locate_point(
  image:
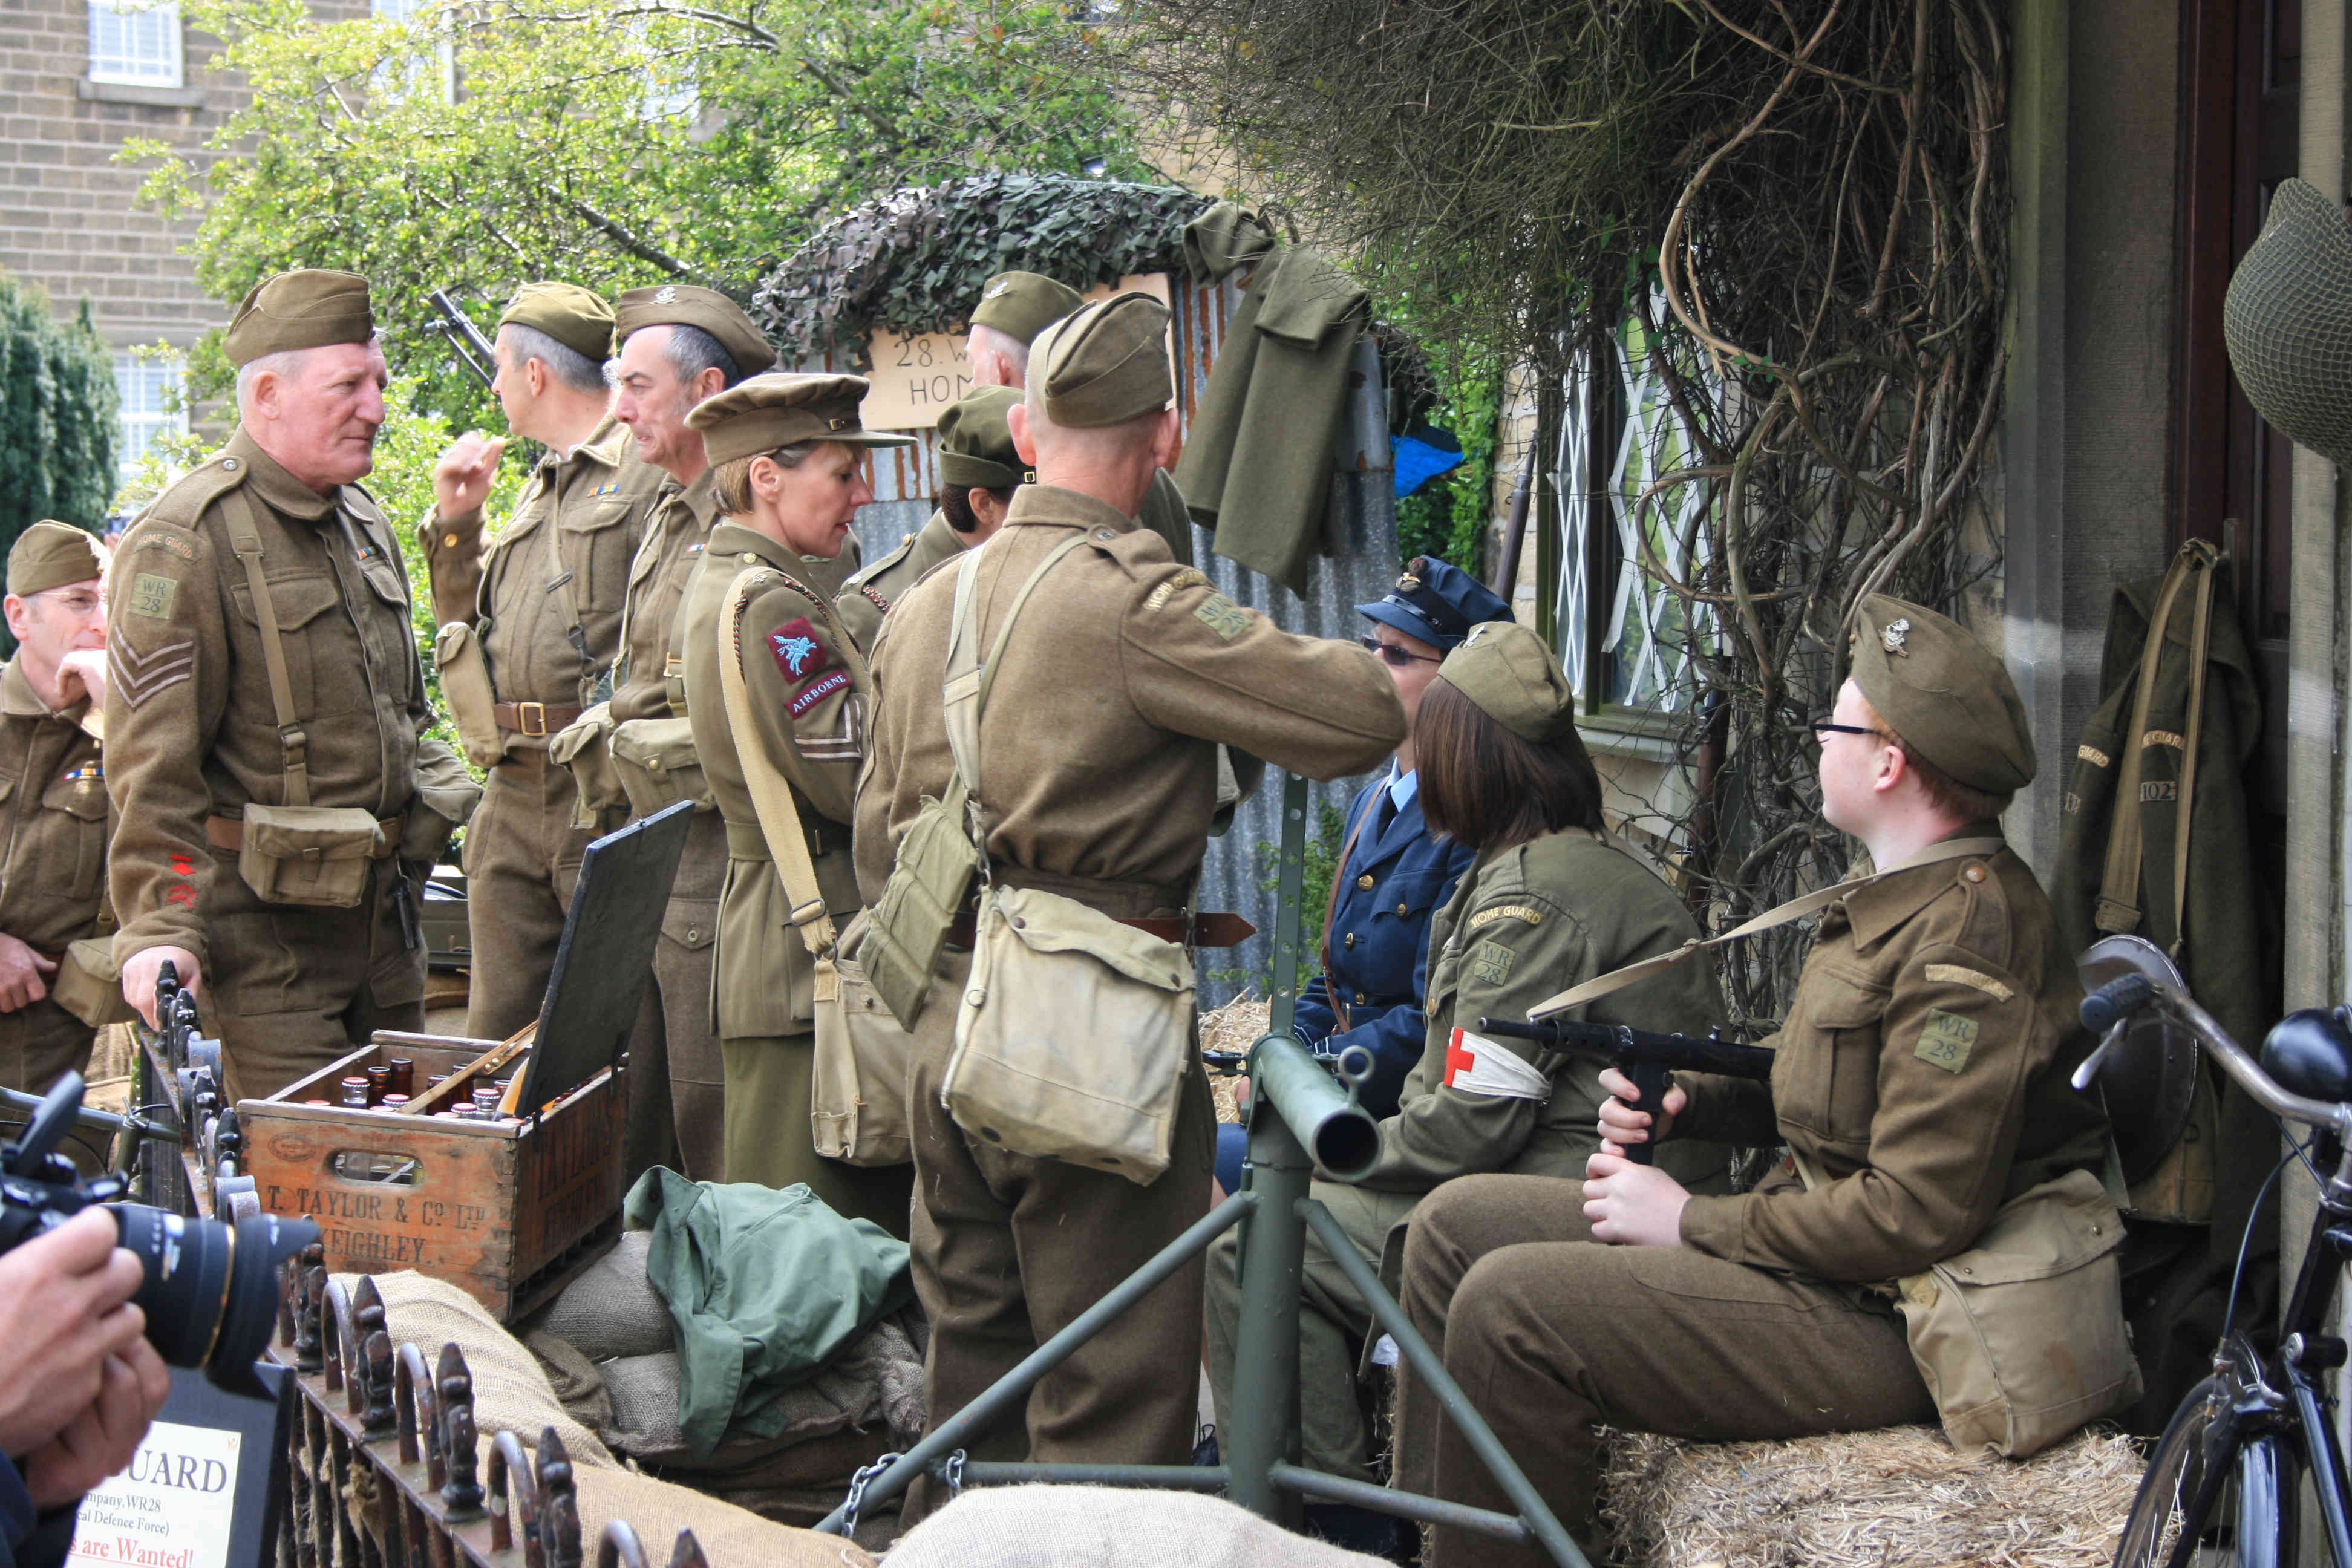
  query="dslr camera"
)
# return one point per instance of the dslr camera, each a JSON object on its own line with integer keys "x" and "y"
{"x": 210, "y": 1292}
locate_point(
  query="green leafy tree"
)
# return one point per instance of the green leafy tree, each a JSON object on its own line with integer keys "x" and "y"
{"x": 58, "y": 413}
{"x": 612, "y": 142}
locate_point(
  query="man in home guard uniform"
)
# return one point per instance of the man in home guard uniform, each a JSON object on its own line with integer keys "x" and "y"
{"x": 53, "y": 781}
{"x": 1013, "y": 308}
{"x": 1921, "y": 1082}
{"x": 261, "y": 657}
{"x": 979, "y": 471}
{"x": 1099, "y": 747}
{"x": 677, "y": 346}
{"x": 543, "y": 601}
{"x": 789, "y": 458}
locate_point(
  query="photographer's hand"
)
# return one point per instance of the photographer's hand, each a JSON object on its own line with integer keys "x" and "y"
{"x": 102, "y": 1440}
{"x": 65, "y": 1309}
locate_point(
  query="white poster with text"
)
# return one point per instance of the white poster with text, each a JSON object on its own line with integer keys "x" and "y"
{"x": 172, "y": 1508}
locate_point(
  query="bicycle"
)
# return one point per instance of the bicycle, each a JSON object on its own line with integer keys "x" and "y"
{"x": 2222, "y": 1482}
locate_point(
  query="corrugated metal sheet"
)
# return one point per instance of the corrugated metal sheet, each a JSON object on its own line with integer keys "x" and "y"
{"x": 1364, "y": 501}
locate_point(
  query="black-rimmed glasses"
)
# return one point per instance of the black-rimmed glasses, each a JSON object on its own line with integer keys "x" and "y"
{"x": 1391, "y": 654}
{"x": 1821, "y": 727}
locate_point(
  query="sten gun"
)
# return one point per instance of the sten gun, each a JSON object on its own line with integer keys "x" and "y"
{"x": 474, "y": 351}
{"x": 1650, "y": 1060}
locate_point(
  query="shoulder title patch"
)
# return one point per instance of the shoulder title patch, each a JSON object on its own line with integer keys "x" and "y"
{"x": 818, "y": 691}
{"x": 1491, "y": 962}
{"x": 175, "y": 545}
{"x": 798, "y": 652}
{"x": 1185, "y": 577}
{"x": 1961, "y": 975}
{"x": 151, "y": 595}
{"x": 1501, "y": 911}
{"x": 1223, "y": 616}
{"x": 1946, "y": 1040}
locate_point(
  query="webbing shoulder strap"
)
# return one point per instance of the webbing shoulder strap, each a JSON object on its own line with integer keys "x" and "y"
{"x": 2200, "y": 638}
{"x": 966, "y": 688}
{"x": 772, "y": 793}
{"x": 2118, "y": 909}
{"x": 1779, "y": 915}
{"x": 244, "y": 539}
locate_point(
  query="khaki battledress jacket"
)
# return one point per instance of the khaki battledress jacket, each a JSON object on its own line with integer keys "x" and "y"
{"x": 870, "y": 592}
{"x": 53, "y": 870}
{"x": 544, "y": 593}
{"x": 649, "y": 678}
{"x": 1923, "y": 1066}
{"x": 192, "y": 737}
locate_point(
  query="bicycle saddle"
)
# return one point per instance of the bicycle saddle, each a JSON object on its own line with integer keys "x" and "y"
{"x": 2150, "y": 1078}
{"x": 2310, "y": 1053}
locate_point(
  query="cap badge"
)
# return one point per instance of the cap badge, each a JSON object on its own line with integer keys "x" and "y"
{"x": 1408, "y": 583}
{"x": 664, "y": 295}
{"x": 1000, "y": 288}
{"x": 1892, "y": 634}
{"x": 839, "y": 425}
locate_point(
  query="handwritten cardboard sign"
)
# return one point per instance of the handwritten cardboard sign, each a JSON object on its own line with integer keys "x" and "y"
{"x": 916, "y": 378}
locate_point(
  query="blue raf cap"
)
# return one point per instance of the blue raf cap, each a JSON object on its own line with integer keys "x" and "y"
{"x": 1438, "y": 602}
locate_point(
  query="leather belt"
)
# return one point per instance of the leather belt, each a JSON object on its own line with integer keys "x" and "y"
{"x": 535, "y": 719}
{"x": 1217, "y": 927}
{"x": 229, "y": 832}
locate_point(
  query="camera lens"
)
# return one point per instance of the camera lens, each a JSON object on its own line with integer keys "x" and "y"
{"x": 210, "y": 1292}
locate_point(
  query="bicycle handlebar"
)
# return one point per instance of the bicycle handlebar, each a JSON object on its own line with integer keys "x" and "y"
{"x": 2108, "y": 1009}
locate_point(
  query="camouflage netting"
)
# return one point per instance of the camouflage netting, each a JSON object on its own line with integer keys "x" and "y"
{"x": 913, "y": 261}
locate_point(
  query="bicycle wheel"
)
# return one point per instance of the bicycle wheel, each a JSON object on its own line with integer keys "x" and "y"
{"x": 2166, "y": 1492}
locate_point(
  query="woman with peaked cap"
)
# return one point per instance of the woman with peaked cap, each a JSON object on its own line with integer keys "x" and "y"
{"x": 788, "y": 464}
{"x": 1548, "y": 899}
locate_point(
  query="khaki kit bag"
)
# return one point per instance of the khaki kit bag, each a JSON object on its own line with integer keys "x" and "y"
{"x": 1074, "y": 1033}
{"x": 857, "y": 1092}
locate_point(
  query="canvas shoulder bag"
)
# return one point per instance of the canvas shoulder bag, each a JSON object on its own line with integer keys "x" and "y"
{"x": 1075, "y": 1029}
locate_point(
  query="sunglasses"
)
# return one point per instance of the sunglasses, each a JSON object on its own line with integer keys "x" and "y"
{"x": 1394, "y": 656}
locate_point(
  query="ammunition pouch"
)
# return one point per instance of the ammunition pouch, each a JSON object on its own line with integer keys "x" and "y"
{"x": 935, "y": 865}
{"x": 584, "y": 746}
{"x": 465, "y": 687}
{"x": 1073, "y": 1036}
{"x": 315, "y": 856}
{"x": 89, "y": 983}
{"x": 657, "y": 764}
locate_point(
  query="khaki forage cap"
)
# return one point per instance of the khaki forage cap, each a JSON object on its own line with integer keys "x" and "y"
{"x": 976, "y": 441}
{"x": 52, "y": 555}
{"x": 304, "y": 309}
{"x": 577, "y": 318}
{"x": 1105, "y": 364}
{"x": 1944, "y": 693}
{"x": 684, "y": 305}
{"x": 1510, "y": 674}
{"x": 780, "y": 409}
{"x": 1022, "y": 304}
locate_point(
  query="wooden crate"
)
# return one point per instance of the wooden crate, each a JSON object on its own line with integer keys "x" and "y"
{"x": 510, "y": 1213}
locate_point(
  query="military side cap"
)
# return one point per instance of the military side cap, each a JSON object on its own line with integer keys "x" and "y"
{"x": 1438, "y": 602}
{"x": 303, "y": 309}
{"x": 577, "y": 318}
{"x": 976, "y": 443}
{"x": 1022, "y": 304}
{"x": 1105, "y": 364}
{"x": 1944, "y": 693}
{"x": 684, "y": 305}
{"x": 52, "y": 555}
{"x": 782, "y": 409}
{"x": 1510, "y": 674}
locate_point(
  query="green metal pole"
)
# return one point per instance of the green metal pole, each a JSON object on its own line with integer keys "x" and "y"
{"x": 1264, "y": 1419}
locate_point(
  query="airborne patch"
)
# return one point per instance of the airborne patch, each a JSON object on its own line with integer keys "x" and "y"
{"x": 1946, "y": 1040}
{"x": 798, "y": 652}
{"x": 1500, "y": 911}
{"x": 1223, "y": 616}
{"x": 151, "y": 595}
{"x": 1186, "y": 577}
{"x": 1491, "y": 962}
{"x": 818, "y": 691}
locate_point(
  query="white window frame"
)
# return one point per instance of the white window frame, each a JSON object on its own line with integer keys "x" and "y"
{"x": 153, "y": 404}
{"x": 136, "y": 45}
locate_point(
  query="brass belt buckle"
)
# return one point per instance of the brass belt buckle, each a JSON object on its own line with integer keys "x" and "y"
{"x": 531, "y": 719}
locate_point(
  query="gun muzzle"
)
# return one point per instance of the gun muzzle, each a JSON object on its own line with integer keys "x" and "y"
{"x": 1342, "y": 1137}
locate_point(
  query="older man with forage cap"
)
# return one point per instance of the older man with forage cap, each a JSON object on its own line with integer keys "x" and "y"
{"x": 56, "y": 977}
{"x": 676, "y": 345}
{"x": 276, "y": 800}
{"x": 1013, "y": 308}
{"x": 1921, "y": 1083}
{"x": 979, "y": 473}
{"x": 1100, "y": 743}
{"x": 789, "y": 458}
{"x": 531, "y": 621}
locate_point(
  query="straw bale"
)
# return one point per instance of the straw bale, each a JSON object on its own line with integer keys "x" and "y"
{"x": 1896, "y": 1499}
{"x": 1234, "y": 1026}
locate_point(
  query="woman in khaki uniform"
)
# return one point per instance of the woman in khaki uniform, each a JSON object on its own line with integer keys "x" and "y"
{"x": 1550, "y": 900}
{"x": 787, "y": 458}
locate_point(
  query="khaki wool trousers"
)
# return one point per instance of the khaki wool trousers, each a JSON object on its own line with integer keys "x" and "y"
{"x": 1552, "y": 1334}
{"x": 769, "y": 1139}
{"x": 1009, "y": 1249}
{"x": 677, "y": 1090}
{"x": 523, "y": 861}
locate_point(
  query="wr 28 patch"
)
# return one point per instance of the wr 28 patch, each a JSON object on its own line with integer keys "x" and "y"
{"x": 1491, "y": 962}
{"x": 151, "y": 593}
{"x": 1223, "y": 616}
{"x": 798, "y": 652}
{"x": 1946, "y": 1040}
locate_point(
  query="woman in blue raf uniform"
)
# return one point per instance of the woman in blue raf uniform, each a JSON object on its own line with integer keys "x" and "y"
{"x": 1393, "y": 874}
